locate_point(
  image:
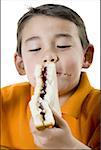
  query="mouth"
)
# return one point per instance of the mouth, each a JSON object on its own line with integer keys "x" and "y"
{"x": 63, "y": 74}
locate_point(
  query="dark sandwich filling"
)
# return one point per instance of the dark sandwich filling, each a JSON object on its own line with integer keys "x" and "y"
{"x": 43, "y": 91}
{"x": 44, "y": 78}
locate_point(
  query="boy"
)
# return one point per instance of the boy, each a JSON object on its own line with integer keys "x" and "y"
{"x": 52, "y": 33}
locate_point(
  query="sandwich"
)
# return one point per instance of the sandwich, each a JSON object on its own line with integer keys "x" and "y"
{"x": 45, "y": 96}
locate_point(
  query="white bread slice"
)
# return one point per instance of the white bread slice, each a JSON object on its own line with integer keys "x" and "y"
{"x": 52, "y": 88}
{"x": 50, "y": 98}
{"x": 37, "y": 118}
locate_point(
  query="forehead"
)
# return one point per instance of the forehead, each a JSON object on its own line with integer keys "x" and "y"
{"x": 48, "y": 26}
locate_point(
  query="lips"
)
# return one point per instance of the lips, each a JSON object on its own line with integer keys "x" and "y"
{"x": 63, "y": 74}
{"x": 58, "y": 73}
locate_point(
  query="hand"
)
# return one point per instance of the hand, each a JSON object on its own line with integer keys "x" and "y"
{"x": 58, "y": 137}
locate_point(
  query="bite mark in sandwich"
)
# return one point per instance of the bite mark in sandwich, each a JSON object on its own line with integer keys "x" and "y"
{"x": 45, "y": 95}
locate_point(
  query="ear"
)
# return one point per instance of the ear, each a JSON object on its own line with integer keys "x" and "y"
{"x": 19, "y": 64}
{"x": 88, "y": 56}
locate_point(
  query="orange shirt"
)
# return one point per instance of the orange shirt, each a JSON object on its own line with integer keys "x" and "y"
{"x": 81, "y": 111}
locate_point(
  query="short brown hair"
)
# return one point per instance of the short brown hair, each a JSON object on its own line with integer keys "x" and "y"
{"x": 54, "y": 10}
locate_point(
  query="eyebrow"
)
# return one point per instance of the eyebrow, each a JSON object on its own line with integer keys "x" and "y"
{"x": 32, "y": 38}
{"x": 57, "y": 36}
{"x": 63, "y": 35}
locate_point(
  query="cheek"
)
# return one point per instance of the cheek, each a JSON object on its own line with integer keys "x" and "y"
{"x": 29, "y": 69}
{"x": 30, "y": 73}
{"x": 73, "y": 63}
{"x": 73, "y": 66}
{"x": 30, "y": 60}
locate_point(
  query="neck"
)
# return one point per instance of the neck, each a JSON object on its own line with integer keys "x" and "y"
{"x": 63, "y": 98}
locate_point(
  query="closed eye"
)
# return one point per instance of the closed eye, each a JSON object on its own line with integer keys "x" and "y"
{"x": 63, "y": 46}
{"x": 37, "y": 49}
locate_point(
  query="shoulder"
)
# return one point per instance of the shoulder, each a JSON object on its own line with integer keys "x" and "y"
{"x": 15, "y": 91}
{"x": 93, "y": 97}
{"x": 91, "y": 107}
{"x": 14, "y": 87}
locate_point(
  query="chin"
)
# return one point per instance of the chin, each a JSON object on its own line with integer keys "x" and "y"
{"x": 63, "y": 91}
{"x": 66, "y": 90}
{"x": 63, "y": 86}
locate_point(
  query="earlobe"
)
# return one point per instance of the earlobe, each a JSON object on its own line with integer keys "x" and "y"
{"x": 88, "y": 56}
{"x": 19, "y": 64}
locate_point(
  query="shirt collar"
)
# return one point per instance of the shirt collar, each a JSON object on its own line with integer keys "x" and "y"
{"x": 73, "y": 105}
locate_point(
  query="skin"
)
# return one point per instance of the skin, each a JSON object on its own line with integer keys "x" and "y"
{"x": 45, "y": 39}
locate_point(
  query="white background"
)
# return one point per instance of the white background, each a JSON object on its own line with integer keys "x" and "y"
{"x": 12, "y": 10}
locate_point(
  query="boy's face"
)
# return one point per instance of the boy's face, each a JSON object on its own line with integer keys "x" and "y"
{"x": 45, "y": 38}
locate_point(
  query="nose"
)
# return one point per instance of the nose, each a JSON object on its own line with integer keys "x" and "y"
{"x": 50, "y": 57}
